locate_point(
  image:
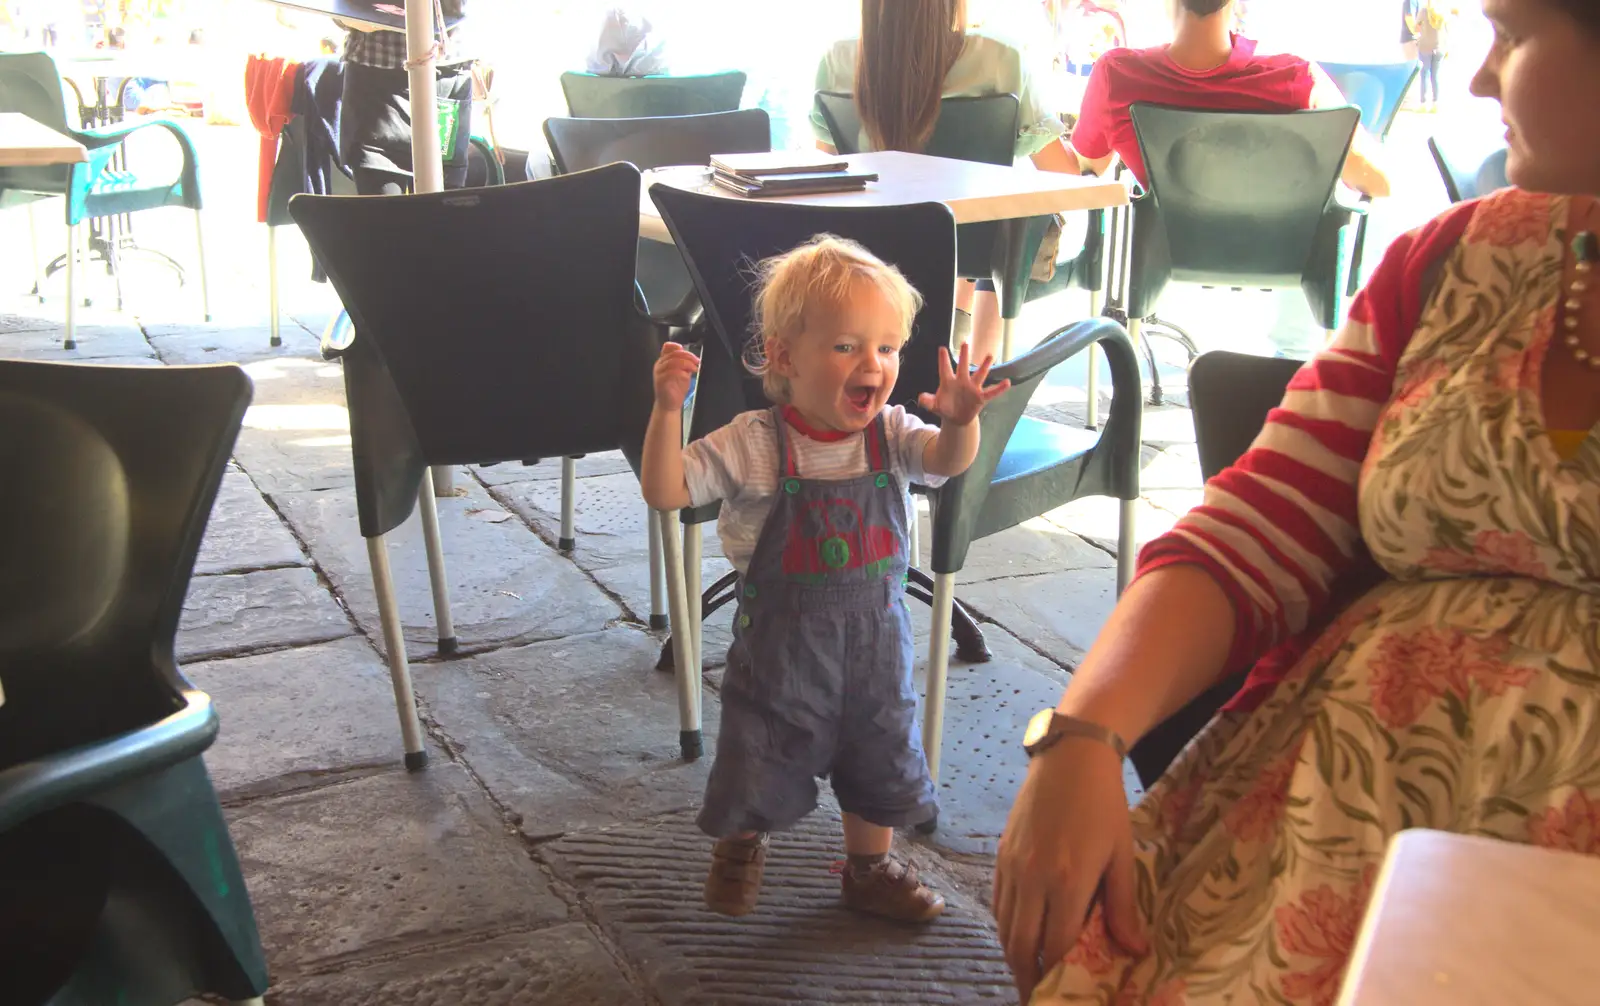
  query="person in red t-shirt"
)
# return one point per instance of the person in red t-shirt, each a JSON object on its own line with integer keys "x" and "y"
{"x": 1206, "y": 66}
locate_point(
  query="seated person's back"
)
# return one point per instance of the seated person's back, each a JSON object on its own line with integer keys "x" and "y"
{"x": 1245, "y": 83}
{"x": 1206, "y": 66}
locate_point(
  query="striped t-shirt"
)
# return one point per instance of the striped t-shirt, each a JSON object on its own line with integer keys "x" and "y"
{"x": 738, "y": 464}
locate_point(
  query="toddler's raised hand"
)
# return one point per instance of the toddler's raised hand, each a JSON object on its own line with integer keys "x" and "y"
{"x": 961, "y": 395}
{"x": 674, "y": 369}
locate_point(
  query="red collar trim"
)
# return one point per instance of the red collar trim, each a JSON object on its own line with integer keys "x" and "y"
{"x": 793, "y": 417}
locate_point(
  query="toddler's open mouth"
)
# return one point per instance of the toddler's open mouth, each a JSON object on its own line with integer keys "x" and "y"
{"x": 860, "y": 397}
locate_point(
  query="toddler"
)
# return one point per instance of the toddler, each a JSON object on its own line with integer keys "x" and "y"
{"x": 815, "y": 511}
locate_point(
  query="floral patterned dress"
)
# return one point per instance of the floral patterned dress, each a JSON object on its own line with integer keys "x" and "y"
{"x": 1462, "y": 693}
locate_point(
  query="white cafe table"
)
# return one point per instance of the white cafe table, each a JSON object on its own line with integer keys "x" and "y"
{"x": 975, "y": 192}
{"x": 1468, "y": 921}
{"x": 28, "y": 143}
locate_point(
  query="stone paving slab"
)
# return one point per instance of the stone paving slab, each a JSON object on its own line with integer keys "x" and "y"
{"x": 296, "y": 718}
{"x": 571, "y": 734}
{"x": 244, "y": 533}
{"x": 1175, "y": 467}
{"x": 589, "y": 466}
{"x": 384, "y": 864}
{"x": 561, "y": 966}
{"x": 800, "y": 945}
{"x": 230, "y": 614}
{"x": 1097, "y": 520}
{"x": 296, "y": 434}
{"x": 506, "y": 586}
{"x": 234, "y": 342}
{"x": 94, "y": 341}
{"x": 1033, "y": 547}
{"x": 1060, "y": 614}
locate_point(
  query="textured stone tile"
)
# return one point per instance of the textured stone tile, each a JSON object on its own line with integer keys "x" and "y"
{"x": 1097, "y": 519}
{"x": 1060, "y": 613}
{"x": 589, "y": 466}
{"x": 41, "y": 340}
{"x": 561, "y": 966}
{"x": 384, "y": 864}
{"x": 291, "y": 717}
{"x": 250, "y": 611}
{"x": 506, "y": 586}
{"x": 212, "y": 342}
{"x": 244, "y": 533}
{"x": 800, "y": 945}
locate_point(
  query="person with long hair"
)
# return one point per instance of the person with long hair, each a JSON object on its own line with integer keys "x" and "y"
{"x": 1407, "y": 563}
{"x": 909, "y": 55}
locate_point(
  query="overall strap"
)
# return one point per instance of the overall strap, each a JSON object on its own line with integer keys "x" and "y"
{"x": 877, "y": 439}
{"x": 780, "y": 427}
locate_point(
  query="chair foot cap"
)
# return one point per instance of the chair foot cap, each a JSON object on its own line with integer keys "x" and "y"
{"x": 69, "y": 344}
{"x": 277, "y": 341}
{"x": 691, "y": 745}
{"x": 448, "y": 646}
{"x": 658, "y": 622}
{"x": 566, "y": 544}
{"x": 416, "y": 761}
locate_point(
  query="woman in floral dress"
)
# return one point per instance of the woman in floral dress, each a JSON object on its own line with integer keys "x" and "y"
{"x": 1408, "y": 558}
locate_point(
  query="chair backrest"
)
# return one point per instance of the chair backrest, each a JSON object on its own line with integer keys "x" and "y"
{"x": 1469, "y": 168}
{"x": 1378, "y": 89}
{"x": 1240, "y": 196}
{"x": 970, "y": 128}
{"x": 581, "y": 144}
{"x": 591, "y": 96}
{"x": 502, "y": 314}
{"x": 30, "y": 84}
{"x": 1231, "y": 395}
{"x": 721, "y": 240}
{"x": 121, "y": 467}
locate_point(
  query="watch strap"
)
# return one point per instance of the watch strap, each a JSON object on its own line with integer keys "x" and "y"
{"x": 1062, "y": 726}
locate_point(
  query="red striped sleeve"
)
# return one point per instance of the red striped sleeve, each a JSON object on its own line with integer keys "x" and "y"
{"x": 1280, "y": 528}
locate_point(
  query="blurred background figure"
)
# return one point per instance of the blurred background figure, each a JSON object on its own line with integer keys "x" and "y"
{"x": 630, "y": 45}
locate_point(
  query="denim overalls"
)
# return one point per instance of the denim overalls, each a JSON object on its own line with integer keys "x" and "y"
{"x": 819, "y": 675}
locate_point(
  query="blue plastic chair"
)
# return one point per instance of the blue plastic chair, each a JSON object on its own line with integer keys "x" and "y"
{"x": 1469, "y": 167}
{"x": 1377, "y": 89}
{"x": 30, "y": 84}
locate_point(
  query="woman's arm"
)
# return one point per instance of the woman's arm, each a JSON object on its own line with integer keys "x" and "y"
{"x": 1059, "y": 155}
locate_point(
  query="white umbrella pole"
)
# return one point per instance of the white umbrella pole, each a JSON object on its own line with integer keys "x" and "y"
{"x": 427, "y": 163}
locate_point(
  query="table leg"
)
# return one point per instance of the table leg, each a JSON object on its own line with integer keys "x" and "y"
{"x": 1011, "y": 280}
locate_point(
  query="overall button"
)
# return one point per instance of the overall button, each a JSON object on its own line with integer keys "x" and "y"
{"x": 744, "y": 621}
{"x": 835, "y": 553}
{"x": 882, "y": 481}
{"x": 791, "y": 486}
{"x": 749, "y": 590}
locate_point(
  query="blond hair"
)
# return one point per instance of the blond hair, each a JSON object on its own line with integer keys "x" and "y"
{"x": 818, "y": 275}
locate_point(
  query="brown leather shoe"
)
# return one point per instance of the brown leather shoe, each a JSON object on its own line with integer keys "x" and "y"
{"x": 891, "y": 889}
{"x": 734, "y": 884}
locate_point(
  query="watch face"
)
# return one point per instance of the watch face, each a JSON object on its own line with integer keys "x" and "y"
{"x": 1038, "y": 727}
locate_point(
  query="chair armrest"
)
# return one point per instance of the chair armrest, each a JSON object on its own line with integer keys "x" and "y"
{"x": 1058, "y": 347}
{"x": 103, "y": 137}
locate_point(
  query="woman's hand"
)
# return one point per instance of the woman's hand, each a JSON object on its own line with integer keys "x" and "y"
{"x": 675, "y": 368}
{"x": 1068, "y": 835}
{"x": 961, "y": 395}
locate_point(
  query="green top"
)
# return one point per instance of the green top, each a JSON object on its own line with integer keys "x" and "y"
{"x": 986, "y": 66}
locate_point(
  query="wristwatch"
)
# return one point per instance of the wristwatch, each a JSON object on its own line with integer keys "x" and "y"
{"x": 1048, "y": 726}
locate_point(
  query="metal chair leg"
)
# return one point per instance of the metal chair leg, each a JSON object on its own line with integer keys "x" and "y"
{"x": 205, "y": 283}
{"x": 658, "y": 575}
{"x": 394, "y": 642}
{"x": 914, "y": 535}
{"x": 71, "y": 341}
{"x": 436, "y": 571}
{"x": 1136, "y": 333}
{"x": 1092, "y": 355}
{"x": 33, "y": 240}
{"x": 692, "y": 556}
{"x": 1127, "y": 551}
{"x": 257, "y": 1001}
{"x": 569, "y": 488}
{"x": 686, "y": 669}
{"x": 944, "y": 586}
{"x": 272, "y": 286}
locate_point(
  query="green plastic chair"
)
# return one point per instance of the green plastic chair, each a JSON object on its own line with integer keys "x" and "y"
{"x": 1469, "y": 166}
{"x": 1236, "y": 199}
{"x": 592, "y": 96}
{"x": 119, "y": 882}
{"x": 30, "y": 84}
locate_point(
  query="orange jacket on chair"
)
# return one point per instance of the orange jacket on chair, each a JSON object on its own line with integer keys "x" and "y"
{"x": 269, "y": 93}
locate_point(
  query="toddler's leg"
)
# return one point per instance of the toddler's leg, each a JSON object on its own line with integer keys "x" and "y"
{"x": 877, "y": 883}
{"x": 734, "y": 884}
